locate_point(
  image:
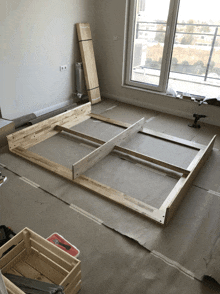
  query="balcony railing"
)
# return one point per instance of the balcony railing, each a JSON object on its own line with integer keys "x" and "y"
{"x": 193, "y": 35}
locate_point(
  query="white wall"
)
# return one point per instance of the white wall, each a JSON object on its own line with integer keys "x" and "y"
{"x": 36, "y": 37}
{"x": 109, "y": 57}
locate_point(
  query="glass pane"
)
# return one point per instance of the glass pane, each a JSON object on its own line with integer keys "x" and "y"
{"x": 148, "y": 42}
{"x": 195, "y": 67}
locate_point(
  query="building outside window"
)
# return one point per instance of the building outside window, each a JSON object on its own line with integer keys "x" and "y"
{"x": 173, "y": 44}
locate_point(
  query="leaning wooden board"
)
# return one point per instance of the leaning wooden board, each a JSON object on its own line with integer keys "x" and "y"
{"x": 89, "y": 64}
{"x": 36, "y": 258}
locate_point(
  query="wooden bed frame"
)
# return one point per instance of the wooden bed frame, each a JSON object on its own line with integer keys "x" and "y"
{"x": 20, "y": 141}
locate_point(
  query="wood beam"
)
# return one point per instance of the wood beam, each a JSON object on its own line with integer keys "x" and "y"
{"x": 162, "y": 136}
{"x": 94, "y": 186}
{"x": 126, "y": 151}
{"x": 179, "y": 191}
{"x": 91, "y": 159}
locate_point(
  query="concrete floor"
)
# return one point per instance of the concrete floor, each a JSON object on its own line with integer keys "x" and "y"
{"x": 111, "y": 262}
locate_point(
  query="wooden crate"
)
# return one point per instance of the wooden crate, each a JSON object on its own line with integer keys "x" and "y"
{"x": 36, "y": 258}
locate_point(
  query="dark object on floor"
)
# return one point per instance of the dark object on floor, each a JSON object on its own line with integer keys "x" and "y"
{"x": 197, "y": 117}
{"x": 30, "y": 286}
{"x": 211, "y": 101}
{"x": 211, "y": 283}
{"x": 5, "y": 234}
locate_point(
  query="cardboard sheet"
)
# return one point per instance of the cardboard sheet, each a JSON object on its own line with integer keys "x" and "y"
{"x": 110, "y": 262}
{"x": 188, "y": 238}
{"x": 213, "y": 263}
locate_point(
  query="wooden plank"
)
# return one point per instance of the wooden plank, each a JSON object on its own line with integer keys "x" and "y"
{"x": 16, "y": 259}
{"x": 35, "y": 134}
{"x": 74, "y": 283}
{"x": 29, "y": 272}
{"x": 98, "y": 154}
{"x": 179, "y": 191}
{"x": 126, "y": 151}
{"x": 84, "y": 31}
{"x": 88, "y": 59}
{"x": 94, "y": 95}
{"x": 165, "y": 137}
{"x": 71, "y": 276}
{"x": 69, "y": 259}
{"x": 12, "y": 254}
{"x": 94, "y": 186}
{"x": 51, "y": 263}
{"x": 14, "y": 272}
{"x": 89, "y": 65}
{"x": 43, "y": 162}
{"x": 14, "y": 241}
{"x": 74, "y": 290}
{"x": 35, "y": 261}
{"x": 47, "y": 252}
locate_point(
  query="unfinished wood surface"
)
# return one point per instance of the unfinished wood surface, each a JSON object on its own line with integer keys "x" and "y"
{"x": 71, "y": 276}
{"x": 74, "y": 284}
{"x": 47, "y": 252}
{"x": 37, "y": 133}
{"x": 88, "y": 59}
{"x": 13, "y": 253}
{"x": 29, "y": 272}
{"x": 92, "y": 185}
{"x": 34, "y": 260}
{"x": 83, "y": 31}
{"x": 151, "y": 133}
{"x": 91, "y": 159}
{"x": 168, "y": 208}
{"x": 94, "y": 95}
{"x": 14, "y": 241}
{"x": 127, "y": 151}
{"x": 179, "y": 191}
{"x": 15, "y": 260}
{"x": 56, "y": 255}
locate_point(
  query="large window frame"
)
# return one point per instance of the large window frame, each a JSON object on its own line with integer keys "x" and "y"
{"x": 131, "y": 6}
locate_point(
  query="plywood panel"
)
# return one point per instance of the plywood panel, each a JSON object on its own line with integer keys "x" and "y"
{"x": 88, "y": 59}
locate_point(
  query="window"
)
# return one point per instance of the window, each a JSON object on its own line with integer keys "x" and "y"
{"x": 175, "y": 44}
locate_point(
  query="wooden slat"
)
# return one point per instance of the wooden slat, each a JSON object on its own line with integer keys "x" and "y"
{"x": 50, "y": 262}
{"x": 71, "y": 276}
{"x": 165, "y": 137}
{"x": 127, "y": 151}
{"x": 74, "y": 290}
{"x": 92, "y": 185}
{"x": 56, "y": 258}
{"x": 11, "y": 264}
{"x": 29, "y": 272}
{"x": 35, "y": 134}
{"x": 94, "y": 95}
{"x": 14, "y": 272}
{"x": 12, "y": 254}
{"x": 43, "y": 162}
{"x": 88, "y": 59}
{"x": 69, "y": 259}
{"x": 98, "y": 154}
{"x": 74, "y": 283}
{"x": 84, "y": 31}
{"x": 179, "y": 191}
{"x": 14, "y": 241}
{"x": 35, "y": 261}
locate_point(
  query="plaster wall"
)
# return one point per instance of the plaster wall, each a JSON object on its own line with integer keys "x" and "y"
{"x": 36, "y": 38}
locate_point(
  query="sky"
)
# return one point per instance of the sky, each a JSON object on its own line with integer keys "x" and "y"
{"x": 189, "y": 9}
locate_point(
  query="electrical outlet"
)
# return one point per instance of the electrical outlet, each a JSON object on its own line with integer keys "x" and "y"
{"x": 63, "y": 67}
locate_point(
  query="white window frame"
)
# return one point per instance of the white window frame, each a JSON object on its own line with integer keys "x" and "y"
{"x": 167, "y": 51}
